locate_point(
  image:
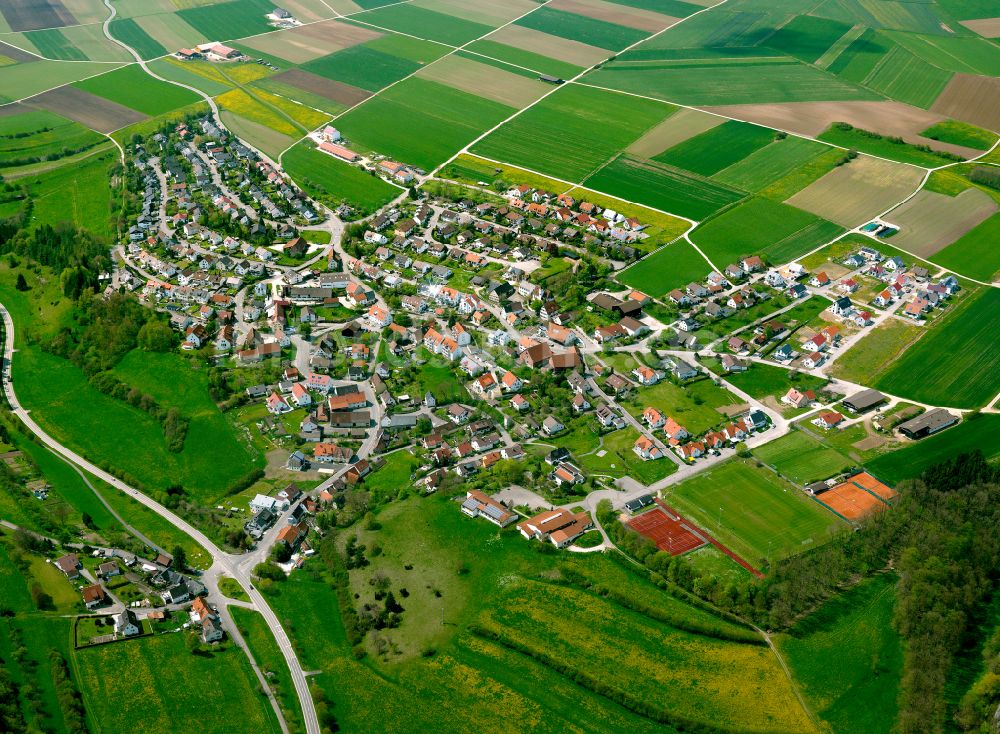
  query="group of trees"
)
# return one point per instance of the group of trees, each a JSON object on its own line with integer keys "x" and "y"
{"x": 76, "y": 254}
{"x": 175, "y": 425}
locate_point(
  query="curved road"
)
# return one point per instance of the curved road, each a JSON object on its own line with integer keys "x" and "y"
{"x": 222, "y": 562}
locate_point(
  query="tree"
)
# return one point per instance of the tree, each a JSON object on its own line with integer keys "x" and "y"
{"x": 22, "y": 284}
{"x": 180, "y": 558}
{"x": 156, "y": 336}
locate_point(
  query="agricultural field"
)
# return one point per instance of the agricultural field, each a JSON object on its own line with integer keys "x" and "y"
{"x": 771, "y": 163}
{"x": 979, "y": 432}
{"x": 239, "y": 18}
{"x": 753, "y": 511}
{"x": 857, "y": 190}
{"x": 930, "y": 221}
{"x": 131, "y": 33}
{"x": 807, "y": 37}
{"x": 801, "y": 458}
{"x": 671, "y": 267}
{"x": 663, "y": 187}
{"x": 264, "y": 137}
{"x": 591, "y": 31}
{"x": 572, "y": 132}
{"x": 336, "y": 182}
{"x": 966, "y": 378}
{"x": 975, "y": 253}
{"x": 424, "y": 23}
{"x": 682, "y": 125}
{"x": 440, "y": 121}
{"x": 876, "y": 351}
{"x": 20, "y": 81}
{"x": 848, "y": 658}
{"x": 504, "y": 84}
{"x": 725, "y": 81}
{"x": 368, "y": 67}
{"x": 876, "y": 144}
{"x": 563, "y": 50}
{"x": 970, "y": 98}
{"x": 960, "y": 133}
{"x": 718, "y": 148}
{"x": 908, "y": 78}
{"x": 39, "y": 135}
{"x": 134, "y": 88}
{"x": 305, "y": 43}
{"x": 141, "y": 693}
{"x": 762, "y": 227}
{"x": 525, "y": 59}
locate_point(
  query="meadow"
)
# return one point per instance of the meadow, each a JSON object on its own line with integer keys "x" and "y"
{"x": 760, "y": 226}
{"x": 620, "y": 460}
{"x": 807, "y": 37}
{"x": 250, "y": 107}
{"x": 435, "y": 671}
{"x": 975, "y": 254}
{"x": 753, "y": 511}
{"x": 960, "y": 133}
{"x": 980, "y": 432}
{"x": 79, "y": 193}
{"x": 134, "y": 697}
{"x": 440, "y": 120}
{"x": 694, "y": 405}
{"x": 876, "y": 351}
{"x": 133, "y": 87}
{"x": 671, "y": 267}
{"x": 726, "y": 81}
{"x": 572, "y": 132}
{"x": 848, "y": 658}
{"x": 663, "y": 187}
{"x": 862, "y": 140}
{"x": 966, "y": 378}
{"x": 334, "y": 181}
{"x": 908, "y": 78}
{"x": 718, "y": 148}
{"x": 39, "y": 135}
{"x": 801, "y": 458}
{"x": 271, "y": 662}
{"x": 763, "y": 380}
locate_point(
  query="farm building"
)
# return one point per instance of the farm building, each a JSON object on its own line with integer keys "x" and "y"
{"x": 864, "y": 400}
{"x": 930, "y": 422}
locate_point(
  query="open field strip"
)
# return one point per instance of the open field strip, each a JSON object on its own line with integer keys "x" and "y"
{"x": 930, "y": 221}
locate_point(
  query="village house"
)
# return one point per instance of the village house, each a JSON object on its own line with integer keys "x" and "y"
{"x": 560, "y": 527}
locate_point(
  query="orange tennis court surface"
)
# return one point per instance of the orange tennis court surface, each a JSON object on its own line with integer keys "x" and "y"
{"x": 669, "y": 534}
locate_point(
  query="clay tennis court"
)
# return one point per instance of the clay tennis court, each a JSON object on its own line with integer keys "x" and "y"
{"x": 670, "y": 534}
{"x": 873, "y": 485}
{"x": 850, "y": 501}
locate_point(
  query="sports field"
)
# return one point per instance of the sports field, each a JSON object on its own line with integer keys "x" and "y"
{"x": 801, "y": 458}
{"x": 753, "y": 511}
{"x": 762, "y": 227}
{"x": 966, "y": 378}
{"x": 670, "y": 534}
{"x": 572, "y": 132}
{"x": 440, "y": 120}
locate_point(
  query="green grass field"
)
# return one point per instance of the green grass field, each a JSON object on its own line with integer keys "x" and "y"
{"x": 39, "y": 135}
{"x": 152, "y": 682}
{"x": 334, "y": 181}
{"x": 53, "y": 44}
{"x": 975, "y": 253}
{"x": 955, "y": 362}
{"x": 753, "y": 511}
{"x": 500, "y": 581}
{"x": 770, "y": 163}
{"x": 131, "y": 33}
{"x": 426, "y": 23}
{"x": 572, "y": 132}
{"x": 848, "y": 658}
{"x": 269, "y": 659}
{"x": 673, "y": 266}
{"x": 961, "y": 133}
{"x": 718, "y": 148}
{"x": 694, "y": 406}
{"x": 40, "y": 635}
{"x": 908, "y": 78}
{"x": 591, "y": 31}
{"x": 760, "y": 226}
{"x": 440, "y": 120}
{"x": 981, "y": 433}
{"x": 807, "y": 37}
{"x": 132, "y": 87}
{"x": 802, "y": 458}
{"x": 966, "y": 54}
{"x": 363, "y": 67}
{"x": 527, "y": 59}
{"x": 239, "y": 18}
{"x": 727, "y": 81}
{"x": 883, "y": 147}
{"x": 663, "y": 187}
{"x": 79, "y": 193}
{"x": 762, "y": 380}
